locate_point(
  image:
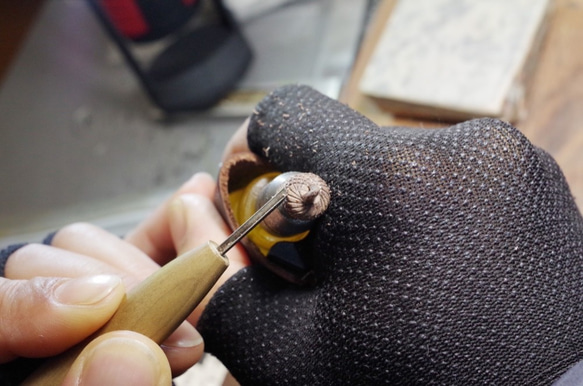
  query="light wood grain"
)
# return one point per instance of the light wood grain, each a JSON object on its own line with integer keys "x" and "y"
{"x": 455, "y": 59}
{"x": 554, "y": 119}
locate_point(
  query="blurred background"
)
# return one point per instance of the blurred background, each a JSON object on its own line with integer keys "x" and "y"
{"x": 82, "y": 139}
{"x": 107, "y": 106}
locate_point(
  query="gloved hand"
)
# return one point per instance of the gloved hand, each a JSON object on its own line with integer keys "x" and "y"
{"x": 447, "y": 256}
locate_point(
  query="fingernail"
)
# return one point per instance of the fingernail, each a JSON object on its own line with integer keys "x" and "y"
{"x": 120, "y": 362}
{"x": 184, "y": 337}
{"x": 86, "y": 291}
{"x": 180, "y": 209}
{"x": 178, "y": 218}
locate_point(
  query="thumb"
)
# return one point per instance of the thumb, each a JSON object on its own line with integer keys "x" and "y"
{"x": 296, "y": 128}
{"x": 120, "y": 358}
{"x": 44, "y": 316}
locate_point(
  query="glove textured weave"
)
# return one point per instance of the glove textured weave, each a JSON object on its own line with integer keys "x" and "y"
{"x": 447, "y": 256}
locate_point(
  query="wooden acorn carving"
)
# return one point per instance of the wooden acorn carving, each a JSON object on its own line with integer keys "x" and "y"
{"x": 245, "y": 182}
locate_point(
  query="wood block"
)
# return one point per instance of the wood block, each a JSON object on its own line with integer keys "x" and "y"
{"x": 456, "y": 59}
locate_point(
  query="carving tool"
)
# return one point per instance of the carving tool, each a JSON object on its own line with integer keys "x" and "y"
{"x": 308, "y": 197}
{"x": 280, "y": 242}
{"x": 160, "y": 303}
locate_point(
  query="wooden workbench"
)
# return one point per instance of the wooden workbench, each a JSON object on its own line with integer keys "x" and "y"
{"x": 554, "y": 104}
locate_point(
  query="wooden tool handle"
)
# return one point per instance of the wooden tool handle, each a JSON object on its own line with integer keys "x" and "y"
{"x": 155, "y": 308}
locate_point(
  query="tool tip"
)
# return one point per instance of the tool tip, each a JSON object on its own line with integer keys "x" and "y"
{"x": 308, "y": 196}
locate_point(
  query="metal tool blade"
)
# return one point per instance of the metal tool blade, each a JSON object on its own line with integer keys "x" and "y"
{"x": 252, "y": 222}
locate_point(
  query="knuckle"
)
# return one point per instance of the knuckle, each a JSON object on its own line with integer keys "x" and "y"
{"x": 19, "y": 300}
{"x": 77, "y": 230}
{"x": 508, "y": 141}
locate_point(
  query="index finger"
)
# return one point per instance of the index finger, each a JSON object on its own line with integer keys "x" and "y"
{"x": 152, "y": 236}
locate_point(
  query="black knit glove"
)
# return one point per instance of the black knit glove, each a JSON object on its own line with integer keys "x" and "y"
{"x": 448, "y": 256}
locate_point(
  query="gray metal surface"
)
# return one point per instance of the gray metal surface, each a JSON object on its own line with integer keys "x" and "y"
{"x": 310, "y": 42}
{"x": 79, "y": 141}
{"x": 78, "y": 138}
